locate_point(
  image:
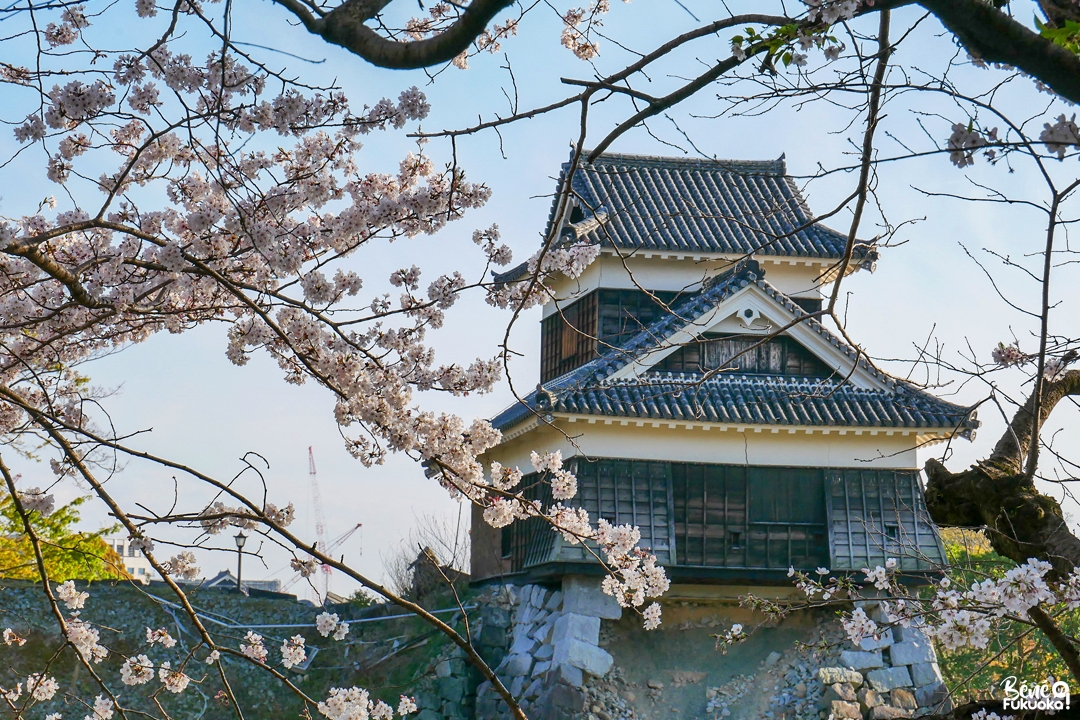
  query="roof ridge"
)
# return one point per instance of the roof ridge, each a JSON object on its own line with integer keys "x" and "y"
{"x": 777, "y": 166}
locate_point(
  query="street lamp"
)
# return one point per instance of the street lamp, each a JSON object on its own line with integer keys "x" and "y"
{"x": 241, "y": 538}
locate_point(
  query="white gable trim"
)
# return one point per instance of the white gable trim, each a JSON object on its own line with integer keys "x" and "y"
{"x": 755, "y": 300}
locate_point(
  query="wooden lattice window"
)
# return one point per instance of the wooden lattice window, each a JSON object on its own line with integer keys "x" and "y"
{"x": 624, "y": 313}
{"x": 747, "y": 354}
{"x": 749, "y": 517}
{"x": 568, "y": 338}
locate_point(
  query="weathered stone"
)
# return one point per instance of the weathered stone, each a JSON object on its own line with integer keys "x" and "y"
{"x": 567, "y": 697}
{"x": 565, "y": 674}
{"x": 886, "y": 679}
{"x": 931, "y": 695}
{"x": 524, "y": 645}
{"x": 905, "y": 634}
{"x": 925, "y": 674}
{"x": 545, "y": 652}
{"x": 516, "y": 686}
{"x": 454, "y": 711}
{"x": 869, "y": 698}
{"x": 428, "y": 715}
{"x": 911, "y": 652}
{"x": 840, "y": 709}
{"x": 577, "y": 627}
{"x": 430, "y": 700}
{"x": 857, "y": 660}
{"x": 772, "y": 659}
{"x": 539, "y": 594}
{"x": 451, "y": 688}
{"x": 902, "y": 698}
{"x": 534, "y": 688}
{"x": 497, "y": 617}
{"x": 582, "y": 595}
{"x": 542, "y": 633}
{"x": 838, "y": 691}
{"x": 554, "y": 601}
{"x": 443, "y": 669}
{"x": 800, "y": 690}
{"x": 830, "y": 675}
{"x": 517, "y": 665}
{"x": 886, "y": 712}
{"x": 656, "y": 685}
{"x": 582, "y": 655}
{"x": 540, "y": 668}
{"x": 870, "y": 644}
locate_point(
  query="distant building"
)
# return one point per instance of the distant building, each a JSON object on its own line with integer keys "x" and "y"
{"x": 226, "y": 580}
{"x": 135, "y": 563}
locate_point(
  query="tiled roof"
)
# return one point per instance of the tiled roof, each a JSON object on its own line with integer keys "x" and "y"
{"x": 759, "y": 400}
{"x": 693, "y": 205}
{"x": 735, "y": 398}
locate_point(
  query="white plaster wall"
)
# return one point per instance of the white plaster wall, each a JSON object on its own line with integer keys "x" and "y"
{"x": 654, "y": 273}
{"x": 713, "y": 445}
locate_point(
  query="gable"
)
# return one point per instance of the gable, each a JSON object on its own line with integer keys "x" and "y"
{"x": 753, "y": 311}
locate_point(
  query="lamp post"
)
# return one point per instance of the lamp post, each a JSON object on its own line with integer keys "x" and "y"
{"x": 241, "y": 538}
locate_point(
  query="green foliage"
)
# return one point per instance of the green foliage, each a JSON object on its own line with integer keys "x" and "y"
{"x": 1067, "y": 36}
{"x": 1017, "y": 649}
{"x": 361, "y": 598}
{"x": 69, "y": 554}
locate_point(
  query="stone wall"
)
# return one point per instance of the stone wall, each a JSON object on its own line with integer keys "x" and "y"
{"x": 551, "y": 647}
{"x": 895, "y": 676}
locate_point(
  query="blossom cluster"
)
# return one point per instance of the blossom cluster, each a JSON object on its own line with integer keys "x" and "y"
{"x": 966, "y": 140}
{"x": 330, "y": 624}
{"x": 354, "y": 704}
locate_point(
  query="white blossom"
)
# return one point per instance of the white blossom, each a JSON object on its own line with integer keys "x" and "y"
{"x": 70, "y": 596}
{"x": 175, "y": 681}
{"x": 161, "y": 635}
{"x": 137, "y": 670}
{"x": 292, "y": 651}
{"x": 254, "y": 647}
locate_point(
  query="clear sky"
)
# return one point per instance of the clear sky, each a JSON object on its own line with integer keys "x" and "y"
{"x": 204, "y": 411}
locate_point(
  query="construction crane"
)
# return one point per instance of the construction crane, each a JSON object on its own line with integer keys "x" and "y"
{"x": 338, "y": 541}
{"x": 322, "y": 585}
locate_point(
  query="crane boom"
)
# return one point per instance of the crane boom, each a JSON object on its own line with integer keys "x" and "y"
{"x": 323, "y": 586}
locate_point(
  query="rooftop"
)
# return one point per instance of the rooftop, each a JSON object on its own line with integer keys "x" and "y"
{"x": 699, "y": 205}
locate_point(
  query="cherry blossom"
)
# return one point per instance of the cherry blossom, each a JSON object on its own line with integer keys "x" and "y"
{"x": 137, "y": 670}
{"x": 292, "y": 651}
{"x": 42, "y": 687}
{"x": 70, "y": 596}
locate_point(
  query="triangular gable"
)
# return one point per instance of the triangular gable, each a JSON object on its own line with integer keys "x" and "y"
{"x": 738, "y": 301}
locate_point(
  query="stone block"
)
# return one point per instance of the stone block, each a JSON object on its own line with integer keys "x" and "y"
{"x": 496, "y": 617}
{"x": 443, "y": 669}
{"x": 904, "y": 634}
{"x": 858, "y": 660}
{"x": 887, "y": 712}
{"x": 588, "y": 658}
{"x": 454, "y": 711}
{"x": 582, "y": 595}
{"x": 542, "y": 633}
{"x": 545, "y": 652}
{"x": 451, "y": 689}
{"x": 429, "y": 715}
{"x": 429, "y": 700}
{"x": 870, "y": 644}
{"x": 838, "y": 691}
{"x": 494, "y": 655}
{"x": 840, "y": 709}
{"x": 567, "y": 674}
{"x": 524, "y": 645}
{"x": 526, "y": 615}
{"x": 925, "y": 674}
{"x": 932, "y": 696}
{"x": 869, "y": 698}
{"x": 540, "y": 668}
{"x": 554, "y": 601}
{"x": 534, "y": 688}
{"x": 539, "y": 595}
{"x": 517, "y": 665}
{"x": 830, "y": 675}
{"x": 903, "y": 699}
{"x": 573, "y": 626}
{"x": 567, "y": 697}
{"x": 886, "y": 679}
{"x": 516, "y": 686}
{"x": 911, "y": 652}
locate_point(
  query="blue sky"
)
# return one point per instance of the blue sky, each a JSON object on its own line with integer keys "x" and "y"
{"x": 204, "y": 411}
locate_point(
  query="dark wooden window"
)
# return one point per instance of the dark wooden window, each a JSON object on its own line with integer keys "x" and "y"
{"x": 747, "y": 354}
{"x": 568, "y": 338}
{"x": 624, "y": 313}
{"x": 810, "y": 305}
{"x": 633, "y": 492}
{"x": 749, "y": 517}
{"x": 598, "y": 321}
{"x": 529, "y": 542}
